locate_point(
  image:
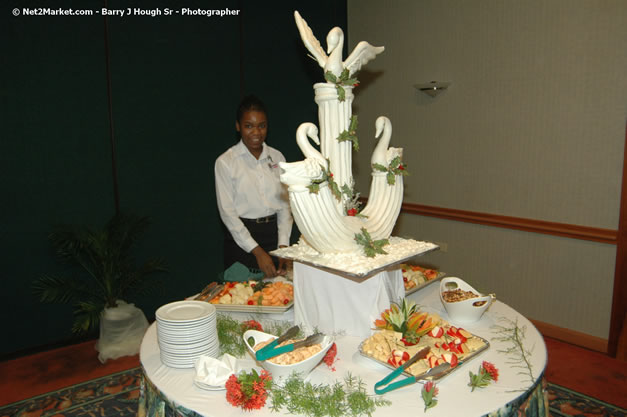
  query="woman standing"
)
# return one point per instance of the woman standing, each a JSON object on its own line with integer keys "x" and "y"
{"x": 253, "y": 203}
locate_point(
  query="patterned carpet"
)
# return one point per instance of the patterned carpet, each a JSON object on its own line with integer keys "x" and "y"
{"x": 116, "y": 396}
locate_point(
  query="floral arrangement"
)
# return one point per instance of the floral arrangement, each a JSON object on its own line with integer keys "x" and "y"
{"x": 429, "y": 392}
{"x": 352, "y": 204}
{"x": 487, "y": 373}
{"x": 405, "y": 318}
{"x": 248, "y": 390}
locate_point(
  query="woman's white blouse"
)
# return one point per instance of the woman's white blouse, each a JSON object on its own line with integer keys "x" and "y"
{"x": 250, "y": 188}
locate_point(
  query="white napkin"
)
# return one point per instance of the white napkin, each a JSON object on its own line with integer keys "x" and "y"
{"x": 213, "y": 372}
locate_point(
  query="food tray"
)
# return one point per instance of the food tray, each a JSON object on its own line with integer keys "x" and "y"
{"x": 245, "y": 308}
{"x": 424, "y": 284}
{"x": 337, "y": 266}
{"x": 434, "y": 377}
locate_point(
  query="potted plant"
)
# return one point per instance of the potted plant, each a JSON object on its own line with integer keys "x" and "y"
{"x": 107, "y": 274}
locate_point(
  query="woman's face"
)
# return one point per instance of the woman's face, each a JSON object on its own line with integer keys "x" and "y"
{"x": 253, "y": 127}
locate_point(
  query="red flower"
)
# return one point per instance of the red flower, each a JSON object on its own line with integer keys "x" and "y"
{"x": 430, "y": 385}
{"x": 352, "y": 212}
{"x": 491, "y": 369}
{"x": 249, "y": 390}
{"x": 252, "y": 324}
{"x": 329, "y": 358}
{"x": 429, "y": 392}
{"x": 401, "y": 167}
{"x": 234, "y": 393}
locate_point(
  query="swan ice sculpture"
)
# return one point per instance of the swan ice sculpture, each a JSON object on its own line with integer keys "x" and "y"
{"x": 335, "y": 115}
{"x": 360, "y": 56}
{"x": 321, "y": 217}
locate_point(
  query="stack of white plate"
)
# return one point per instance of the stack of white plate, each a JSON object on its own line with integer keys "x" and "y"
{"x": 186, "y": 330}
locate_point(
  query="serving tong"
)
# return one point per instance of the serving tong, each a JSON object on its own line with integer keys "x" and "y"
{"x": 209, "y": 291}
{"x": 386, "y": 384}
{"x": 272, "y": 349}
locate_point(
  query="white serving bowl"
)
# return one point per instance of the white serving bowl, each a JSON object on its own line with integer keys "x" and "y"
{"x": 465, "y": 311}
{"x": 282, "y": 371}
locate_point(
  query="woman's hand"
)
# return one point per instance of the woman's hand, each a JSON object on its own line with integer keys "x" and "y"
{"x": 265, "y": 262}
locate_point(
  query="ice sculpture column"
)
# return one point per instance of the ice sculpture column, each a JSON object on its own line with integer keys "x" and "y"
{"x": 334, "y": 118}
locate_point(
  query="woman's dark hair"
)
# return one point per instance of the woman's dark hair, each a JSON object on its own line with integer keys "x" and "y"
{"x": 248, "y": 103}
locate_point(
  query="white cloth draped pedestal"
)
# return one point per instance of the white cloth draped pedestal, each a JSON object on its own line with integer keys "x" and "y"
{"x": 333, "y": 304}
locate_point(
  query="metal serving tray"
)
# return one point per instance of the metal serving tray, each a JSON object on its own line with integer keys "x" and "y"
{"x": 245, "y": 308}
{"x": 439, "y": 375}
{"x": 424, "y": 284}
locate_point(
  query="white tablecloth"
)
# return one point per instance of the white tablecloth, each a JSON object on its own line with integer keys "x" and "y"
{"x": 455, "y": 397}
{"x": 333, "y": 304}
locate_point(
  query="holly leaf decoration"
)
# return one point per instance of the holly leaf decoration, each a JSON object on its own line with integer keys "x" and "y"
{"x": 350, "y": 133}
{"x": 347, "y": 190}
{"x": 395, "y": 168}
{"x": 379, "y": 167}
{"x": 344, "y": 79}
{"x": 314, "y": 187}
{"x": 330, "y": 77}
{"x": 327, "y": 176}
{"x": 335, "y": 190}
{"x": 371, "y": 247}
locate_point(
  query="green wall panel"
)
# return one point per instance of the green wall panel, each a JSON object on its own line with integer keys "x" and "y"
{"x": 175, "y": 83}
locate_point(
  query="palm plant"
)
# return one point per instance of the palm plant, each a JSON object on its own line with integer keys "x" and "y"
{"x": 109, "y": 270}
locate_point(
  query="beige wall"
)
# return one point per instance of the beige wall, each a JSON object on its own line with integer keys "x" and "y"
{"x": 532, "y": 126}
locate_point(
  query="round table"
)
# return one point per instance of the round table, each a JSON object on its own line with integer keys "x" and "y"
{"x": 520, "y": 390}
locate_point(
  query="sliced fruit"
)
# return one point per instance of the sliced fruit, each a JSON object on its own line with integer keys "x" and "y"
{"x": 398, "y": 357}
{"x": 436, "y": 332}
{"x": 430, "y": 273}
{"x": 451, "y": 358}
{"x": 465, "y": 333}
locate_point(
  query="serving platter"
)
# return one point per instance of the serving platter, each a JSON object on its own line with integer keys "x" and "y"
{"x": 426, "y": 283}
{"x": 245, "y": 308}
{"x": 438, "y": 376}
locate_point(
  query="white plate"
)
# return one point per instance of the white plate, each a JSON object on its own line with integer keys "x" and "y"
{"x": 183, "y": 337}
{"x": 207, "y": 387}
{"x": 187, "y": 325}
{"x": 193, "y": 351}
{"x": 174, "y": 358}
{"x": 187, "y": 346}
{"x": 185, "y": 311}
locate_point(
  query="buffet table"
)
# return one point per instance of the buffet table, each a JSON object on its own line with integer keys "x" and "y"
{"x": 519, "y": 391}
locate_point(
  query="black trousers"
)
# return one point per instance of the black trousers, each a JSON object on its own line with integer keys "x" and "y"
{"x": 266, "y": 235}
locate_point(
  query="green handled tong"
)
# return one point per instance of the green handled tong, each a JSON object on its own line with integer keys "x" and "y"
{"x": 291, "y": 332}
{"x": 276, "y": 351}
{"x": 386, "y": 384}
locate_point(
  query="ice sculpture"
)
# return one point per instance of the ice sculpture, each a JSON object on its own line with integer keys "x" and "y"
{"x": 315, "y": 184}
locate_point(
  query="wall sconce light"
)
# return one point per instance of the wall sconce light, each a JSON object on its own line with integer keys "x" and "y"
{"x": 433, "y": 88}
